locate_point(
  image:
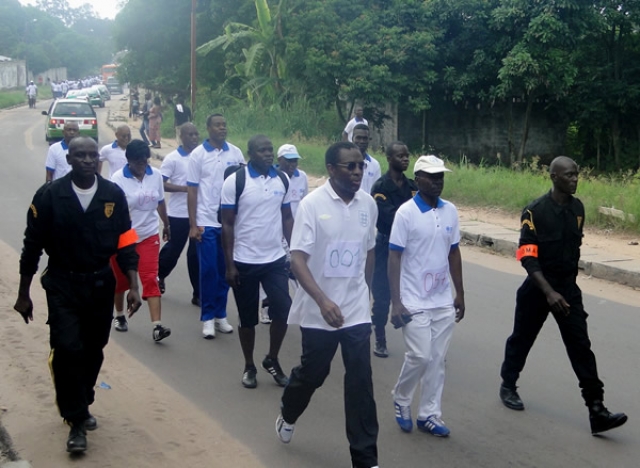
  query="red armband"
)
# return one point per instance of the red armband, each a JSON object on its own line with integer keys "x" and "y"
{"x": 528, "y": 250}
{"x": 127, "y": 238}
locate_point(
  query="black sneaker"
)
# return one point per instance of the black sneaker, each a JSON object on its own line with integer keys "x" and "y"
{"x": 249, "y": 379}
{"x": 195, "y": 300}
{"x": 160, "y": 333}
{"x": 510, "y": 398}
{"x": 272, "y": 366}
{"x": 77, "y": 440}
{"x": 380, "y": 349}
{"x": 121, "y": 324}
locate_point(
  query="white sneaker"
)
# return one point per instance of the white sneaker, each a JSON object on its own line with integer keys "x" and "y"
{"x": 284, "y": 430}
{"x": 208, "y": 330}
{"x": 264, "y": 315}
{"x": 223, "y": 326}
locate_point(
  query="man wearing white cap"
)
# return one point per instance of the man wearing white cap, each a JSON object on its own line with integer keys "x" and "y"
{"x": 288, "y": 163}
{"x": 423, "y": 252}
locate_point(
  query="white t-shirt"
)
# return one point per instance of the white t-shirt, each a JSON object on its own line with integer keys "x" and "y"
{"x": 85, "y": 196}
{"x": 32, "y": 90}
{"x": 371, "y": 173}
{"x": 143, "y": 198}
{"x": 115, "y": 156}
{"x": 57, "y": 160}
{"x": 299, "y": 188}
{"x": 351, "y": 124}
{"x": 206, "y": 171}
{"x": 337, "y": 237}
{"x": 425, "y": 236}
{"x": 258, "y": 228}
{"x": 174, "y": 169}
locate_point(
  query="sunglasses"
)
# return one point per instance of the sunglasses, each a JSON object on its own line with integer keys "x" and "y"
{"x": 352, "y": 165}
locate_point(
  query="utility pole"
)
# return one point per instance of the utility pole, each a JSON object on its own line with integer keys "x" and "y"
{"x": 194, "y": 3}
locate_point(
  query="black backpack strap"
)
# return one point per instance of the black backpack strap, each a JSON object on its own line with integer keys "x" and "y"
{"x": 241, "y": 179}
{"x": 284, "y": 179}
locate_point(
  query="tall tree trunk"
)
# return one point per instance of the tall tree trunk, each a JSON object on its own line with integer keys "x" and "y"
{"x": 597, "y": 135}
{"x": 615, "y": 140}
{"x": 510, "y": 133}
{"x": 525, "y": 131}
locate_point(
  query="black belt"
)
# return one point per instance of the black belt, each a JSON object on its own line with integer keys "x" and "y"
{"x": 78, "y": 276}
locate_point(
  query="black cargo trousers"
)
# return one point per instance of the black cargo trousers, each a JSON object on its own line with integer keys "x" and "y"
{"x": 80, "y": 316}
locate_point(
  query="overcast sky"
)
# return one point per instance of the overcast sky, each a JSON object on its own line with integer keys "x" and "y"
{"x": 104, "y": 8}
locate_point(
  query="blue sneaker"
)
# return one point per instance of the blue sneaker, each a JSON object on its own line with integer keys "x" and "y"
{"x": 434, "y": 426}
{"x": 403, "y": 417}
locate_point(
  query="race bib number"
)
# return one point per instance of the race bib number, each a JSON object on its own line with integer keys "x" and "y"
{"x": 342, "y": 259}
{"x": 435, "y": 281}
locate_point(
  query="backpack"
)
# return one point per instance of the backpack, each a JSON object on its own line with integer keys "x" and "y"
{"x": 241, "y": 179}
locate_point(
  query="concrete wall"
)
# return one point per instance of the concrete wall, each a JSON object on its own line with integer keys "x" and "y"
{"x": 53, "y": 74}
{"x": 12, "y": 74}
{"x": 481, "y": 132}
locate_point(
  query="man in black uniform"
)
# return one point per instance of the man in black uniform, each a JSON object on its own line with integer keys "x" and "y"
{"x": 80, "y": 220}
{"x": 389, "y": 191}
{"x": 549, "y": 249}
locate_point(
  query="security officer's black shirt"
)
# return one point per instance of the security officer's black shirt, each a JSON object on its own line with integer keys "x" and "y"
{"x": 75, "y": 240}
{"x": 389, "y": 197}
{"x": 555, "y": 231}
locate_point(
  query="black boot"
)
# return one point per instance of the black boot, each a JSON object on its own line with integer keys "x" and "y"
{"x": 77, "y": 440}
{"x": 510, "y": 398}
{"x": 602, "y": 420}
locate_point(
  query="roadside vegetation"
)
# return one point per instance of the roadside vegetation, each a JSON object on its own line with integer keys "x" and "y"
{"x": 18, "y": 97}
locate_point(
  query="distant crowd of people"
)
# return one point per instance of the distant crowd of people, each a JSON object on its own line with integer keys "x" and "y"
{"x": 253, "y": 226}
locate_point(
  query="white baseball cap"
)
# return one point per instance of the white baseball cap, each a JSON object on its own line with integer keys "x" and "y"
{"x": 430, "y": 164}
{"x": 288, "y": 152}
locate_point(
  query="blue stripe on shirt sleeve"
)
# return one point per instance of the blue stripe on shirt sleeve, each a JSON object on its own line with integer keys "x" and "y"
{"x": 454, "y": 246}
{"x": 398, "y": 248}
{"x": 228, "y": 207}
{"x": 192, "y": 184}
{"x": 165, "y": 178}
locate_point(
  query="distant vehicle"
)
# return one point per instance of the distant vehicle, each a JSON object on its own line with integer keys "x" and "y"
{"x": 108, "y": 71}
{"x": 114, "y": 85}
{"x": 70, "y": 110}
{"x": 104, "y": 91}
{"x": 95, "y": 98}
{"x": 78, "y": 94}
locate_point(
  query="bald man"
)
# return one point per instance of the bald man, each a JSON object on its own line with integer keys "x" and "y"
{"x": 114, "y": 153}
{"x": 549, "y": 249}
{"x": 56, "y": 165}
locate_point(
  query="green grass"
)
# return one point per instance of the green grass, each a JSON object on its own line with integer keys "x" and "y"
{"x": 15, "y": 97}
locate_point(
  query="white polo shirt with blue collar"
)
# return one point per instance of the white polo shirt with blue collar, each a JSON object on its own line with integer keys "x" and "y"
{"x": 370, "y": 174}
{"x": 174, "y": 169}
{"x": 115, "y": 156}
{"x": 299, "y": 188}
{"x": 143, "y": 198}
{"x": 57, "y": 160}
{"x": 425, "y": 235}
{"x": 206, "y": 171}
{"x": 258, "y": 227}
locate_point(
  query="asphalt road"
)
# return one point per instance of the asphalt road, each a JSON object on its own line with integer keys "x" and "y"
{"x": 552, "y": 432}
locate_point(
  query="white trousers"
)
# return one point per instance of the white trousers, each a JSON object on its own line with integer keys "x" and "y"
{"x": 427, "y": 338}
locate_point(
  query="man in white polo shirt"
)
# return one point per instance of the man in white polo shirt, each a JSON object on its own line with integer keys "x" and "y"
{"x": 332, "y": 255}
{"x": 205, "y": 176}
{"x": 298, "y": 187}
{"x": 288, "y": 158}
{"x": 423, "y": 252}
{"x": 252, "y": 232}
{"x": 372, "y": 171}
{"x": 347, "y": 134}
{"x": 56, "y": 165}
{"x": 114, "y": 153}
{"x": 174, "y": 173}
